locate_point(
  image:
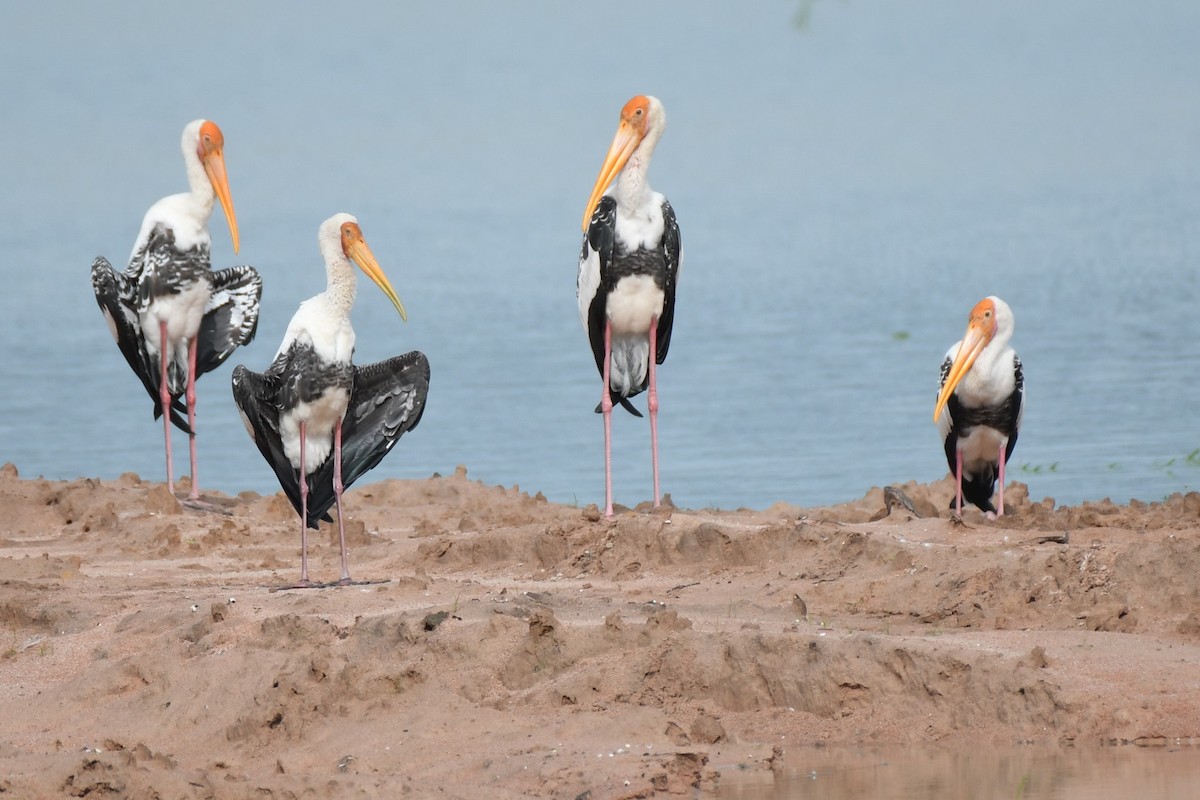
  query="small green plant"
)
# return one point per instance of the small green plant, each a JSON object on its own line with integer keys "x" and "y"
{"x": 803, "y": 15}
{"x": 1189, "y": 461}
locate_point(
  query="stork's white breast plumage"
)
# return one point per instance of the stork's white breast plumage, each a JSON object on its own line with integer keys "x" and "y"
{"x": 986, "y": 384}
{"x": 186, "y": 215}
{"x": 320, "y": 325}
{"x": 634, "y": 302}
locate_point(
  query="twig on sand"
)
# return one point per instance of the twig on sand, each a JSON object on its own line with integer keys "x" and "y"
{"x": 1061, "y": 538}
{"x": 893, "y": 497}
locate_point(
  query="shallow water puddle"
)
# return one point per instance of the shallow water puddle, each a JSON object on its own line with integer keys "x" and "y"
{"x": 1013, "y": 773}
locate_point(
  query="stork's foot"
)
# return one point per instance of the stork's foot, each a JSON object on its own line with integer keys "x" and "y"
{"x": 617, "y": 509}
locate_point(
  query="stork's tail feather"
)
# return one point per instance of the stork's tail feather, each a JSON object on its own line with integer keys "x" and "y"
{"x": 624, "y": 403}
{"x": 177, "y": 412}
{"x": 978, "y": 489}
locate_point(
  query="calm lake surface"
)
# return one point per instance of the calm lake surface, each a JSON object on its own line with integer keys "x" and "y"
{"x": 850, "y": 178}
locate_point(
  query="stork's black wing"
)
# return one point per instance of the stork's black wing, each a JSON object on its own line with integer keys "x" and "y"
{"x": 600, "y": 240}
{"x": 116, "y": 294}
{"x": 257, "y": 397}
{"x": 672, "y": 249}
{"x": 230, "y": 318}
{"x": 387, "y": 402}
{"x": 1016, "y": 407}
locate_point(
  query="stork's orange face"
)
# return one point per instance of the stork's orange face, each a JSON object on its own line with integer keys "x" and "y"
{"x": 635, "y": 118}
{"x": 211, "y": 150}
{"x": 981, "y": 327}
{"x": 356, "y": 249}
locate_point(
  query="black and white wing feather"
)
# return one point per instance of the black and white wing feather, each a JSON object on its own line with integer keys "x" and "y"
{"x": 595, "y": 273}
{"x": 230, "y": 318}
{"x": 1016, "y": 406}
{"x": 257, "y": 397}
{"x": 117, "y": 296}
{"x": 387, "y": 402}
{"x": 673, "y": 255}
{"x": 596, "y": 281}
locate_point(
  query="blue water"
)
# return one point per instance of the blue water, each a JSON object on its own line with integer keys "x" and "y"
{"x": 850, "y": 178}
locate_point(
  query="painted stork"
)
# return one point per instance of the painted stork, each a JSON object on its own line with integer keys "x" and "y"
{"x": 980, "y": 404}
{"x": 173, "y": 318}
{"x": 628, "y": 270}
{"x": 319, "y": 420}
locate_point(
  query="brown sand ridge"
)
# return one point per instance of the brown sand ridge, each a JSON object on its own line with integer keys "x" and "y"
{"x": 523, "y": 648}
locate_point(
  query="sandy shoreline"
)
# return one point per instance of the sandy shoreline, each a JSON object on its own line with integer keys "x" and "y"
{"x": 518, "y": 647}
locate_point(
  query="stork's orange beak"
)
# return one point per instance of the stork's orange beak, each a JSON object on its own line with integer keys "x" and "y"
{"x": 623, "y": 145}
{"x": 211, "y": 151}
{"x": 356, "y": 249}
{"x": 980, "y": 329}
{"x": 630, "y": 132}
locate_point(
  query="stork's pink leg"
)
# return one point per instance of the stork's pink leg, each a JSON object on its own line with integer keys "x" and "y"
{"x": 191, "y": 404}
{"x": 164, "y": 397}
{"x": 606, "y": 406}
{"x": 958, "y": 480}
{"x": 303, "y": 510}
{"x": 337, "y": 494}
{"x": 652, "y": 404}
{"x": 1000, "y": 508}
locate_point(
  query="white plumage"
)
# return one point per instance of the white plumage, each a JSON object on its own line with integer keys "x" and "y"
{"x": 628, "y": 269}
{"x": 319, "y": 420}
{"x": 169, "y": 292}
{"x": 980, "y": 404}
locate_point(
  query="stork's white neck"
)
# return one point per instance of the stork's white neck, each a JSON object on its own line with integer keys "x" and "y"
{"x": 202, "y": 194}
{"x": 990, "y": 378}
{"x": 992, "y": 356}
{"x": 998, "y": 346}
{"x": 341, "y": 285}
{"x": 186, "y": 214}
{"x": 632, "y": 190}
